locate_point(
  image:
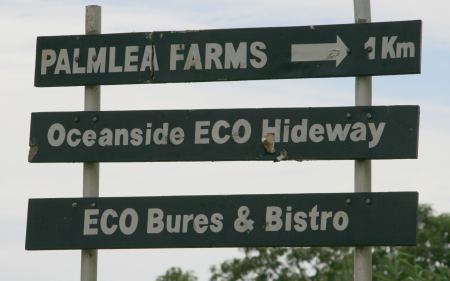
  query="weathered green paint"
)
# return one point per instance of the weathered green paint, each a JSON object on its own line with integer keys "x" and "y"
{"x": 266, "y": 54}
{"x": 225, "y": 134}
{"x": 353, "y": 219}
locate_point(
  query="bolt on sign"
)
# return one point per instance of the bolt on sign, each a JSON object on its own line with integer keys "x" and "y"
{"x": 274, "y": 134}
{"x": 335, "y": 219}
{"x": 229, "y": 54}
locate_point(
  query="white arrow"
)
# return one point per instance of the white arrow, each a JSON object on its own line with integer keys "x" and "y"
{"x": 319, "y": 52}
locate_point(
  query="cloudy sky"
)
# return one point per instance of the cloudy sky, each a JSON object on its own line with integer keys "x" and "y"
{"x": 23, "y": 21}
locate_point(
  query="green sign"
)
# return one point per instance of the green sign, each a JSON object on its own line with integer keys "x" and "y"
{"x": 339, "y": 219}
{"x": 229, "y": 54}
{"x": 380, "y": 132}
{"x": 274, "y": 134}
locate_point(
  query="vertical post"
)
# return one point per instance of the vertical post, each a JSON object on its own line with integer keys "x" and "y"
{"x": 91, "y": 170}
{"x": 362, "y": 266}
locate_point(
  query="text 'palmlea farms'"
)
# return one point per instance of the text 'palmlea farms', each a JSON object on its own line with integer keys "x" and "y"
{"x": 229, "y": 54}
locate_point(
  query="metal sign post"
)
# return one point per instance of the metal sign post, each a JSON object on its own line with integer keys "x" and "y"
{"x": 91, "y": 169}
{"x": 362, "y": 267}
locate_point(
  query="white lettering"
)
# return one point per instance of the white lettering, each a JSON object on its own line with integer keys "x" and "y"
{"x": 186, "y": 220}
{"x": 359, "y": 132}
{"x": 176, "y": 136}
{"x": 89, "y": 138}
{"x": 405, "y": 50}
{"x": 160, "y": 135}
{"x": 215, "y": 132}
{"x": 247, "y": 131}
{"x": 175, "y": 56}
{"x": 70, "y": 140}
{"x": 272, "y": 130}
{"x": 131, "y": 58}
{"x": 112, "y": 67}
{"x": 387, "y": 47}
{"x": 371, "y": 43}
{"x": 133, "y": 221}
{"x": 216, "y": 220}
{"x": 108, "y": 230}
{"x": 149, "y": 59}
{"x": 155, "y": 222}
{"x": 76, "y": 58}
{"x": 313, "y": 214}
{"x": 316, "y": 133}
{"x": 96, "y": 63}
{"x": 323, "y": 219}
{"x": 340, "y": 221}
{"x": 337, "y": 131}
{"x": 106, "y": 137}
{"x": 376, "y": 133}
{"x": 193, "y": 58}
{"x": 273, "y": 218}
{"x": 56, "y": 135}
{"x": 299, "y": 222}
{"x": 176, "y": 227}
{"x": 136, "y": 137}
{"x": 235, "y": 58}
{"x": 121, "y": 134}
{"x": 200, "y": 131}
{"x": 48, "y": 58}
{"x": 213, "y": 52}
{"x": 260, "y": 59}
{"x": 63, "y": 62}
{"x": 299, "y": 132}
{"x": 201, "y": 223}
{"x": 89, "y": 221}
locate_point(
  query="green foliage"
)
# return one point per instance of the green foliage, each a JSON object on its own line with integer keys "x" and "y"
{"x": 287, "y": 264}
{"x": 429, "y": 260}
{"x": 177, "y": 274}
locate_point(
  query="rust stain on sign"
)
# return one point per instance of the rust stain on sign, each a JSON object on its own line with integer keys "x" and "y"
{"x": 269, "y": 143}
{"x": 32, "y": 152}
{"x": 283, "y": 156}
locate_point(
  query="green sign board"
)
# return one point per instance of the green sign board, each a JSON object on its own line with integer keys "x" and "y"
{"x": 339, "y": 219}
{"x": 273, "y": 134}
{"x": 229, "y": 54}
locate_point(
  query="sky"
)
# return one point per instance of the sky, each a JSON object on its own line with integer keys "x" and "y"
{"x": 23, "y": 21}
